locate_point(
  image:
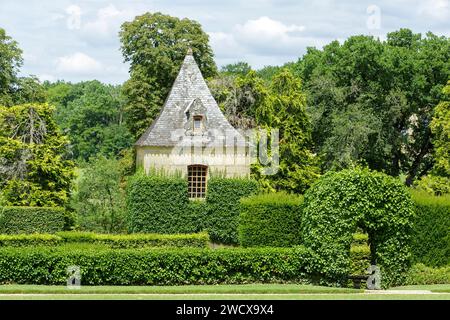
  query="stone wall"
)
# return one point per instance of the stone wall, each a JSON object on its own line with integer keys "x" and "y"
{"x": 235, "y": 162}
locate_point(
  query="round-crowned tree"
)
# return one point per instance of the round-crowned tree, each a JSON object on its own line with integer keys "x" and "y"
{"x": 340, "y": 202}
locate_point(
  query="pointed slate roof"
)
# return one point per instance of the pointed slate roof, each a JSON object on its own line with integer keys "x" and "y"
{"x": 172, "y": 125}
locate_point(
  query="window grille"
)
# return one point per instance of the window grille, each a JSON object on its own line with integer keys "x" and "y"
{"x": 197, "y": 181}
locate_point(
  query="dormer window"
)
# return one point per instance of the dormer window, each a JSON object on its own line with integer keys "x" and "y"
{"x": 198, "y": 123}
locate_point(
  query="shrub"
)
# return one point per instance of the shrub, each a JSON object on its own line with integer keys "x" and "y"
{"x": 271, "y": 219}
{"x": 338, "y": 203}
{"x": 175, "y": 266}
{"x": 360, "y": 253}
{"x": 419, "y": 274}
{"x": 431, "y": 235}
{"x": 198, "y": 240}
{"x": 98, "y": 197}
{"x": 21, "y": 240}
{"x": 159, "y": 204}
{"x": 15, "y": 220}
{"x": 359, "y": 259}
{"x": 222, "y": 200}
{"x": 137, "y": 240}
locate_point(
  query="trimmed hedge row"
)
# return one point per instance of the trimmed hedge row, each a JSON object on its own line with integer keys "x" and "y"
{"x": 196, "y": 240}
{"x": 14, "y": 220}
{"x": 160, "y": 204}
{"x": 431, "y": 233}
{"x": 222, "y": 205}
{"x": 270, "y": 220}
{"x": 23, "y": 240}
{"x": 157, "y": 204}
{"x": 176, "y": 266}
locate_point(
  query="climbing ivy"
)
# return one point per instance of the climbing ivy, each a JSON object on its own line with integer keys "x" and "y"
{"x": 339, "y": 203}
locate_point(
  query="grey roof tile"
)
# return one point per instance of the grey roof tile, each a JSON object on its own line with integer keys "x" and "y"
{"x": 190, "y": 95}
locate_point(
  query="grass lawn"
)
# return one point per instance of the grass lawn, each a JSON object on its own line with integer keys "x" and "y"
{"x": 219, "y": 292}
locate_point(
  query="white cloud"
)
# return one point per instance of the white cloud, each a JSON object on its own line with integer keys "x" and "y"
{"x": 78, "y": 63}
{"x": 224, "y": 44}
{"x": 268, "y": 29}
{"x": 436, "y": 9}
{"x": 270, "y": 36}
{"x": 107, "y": 23}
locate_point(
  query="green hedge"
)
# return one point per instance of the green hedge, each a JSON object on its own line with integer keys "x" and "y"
{"x": 420, "y": 274}
{"x": 198, "y": 240}
{"x": 222, "y": 202}
{"x": 14, "y": 220}
{"x": 182, "y": 266}
{"x": 159, "y": 204}
{"x": 270, "y": 220}
{"x": 23, "y": 240}
{"x": 339, "y": 203}
{"x": 431, "y": 234}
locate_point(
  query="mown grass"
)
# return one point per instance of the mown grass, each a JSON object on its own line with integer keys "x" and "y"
{"x": 188, "y": 289}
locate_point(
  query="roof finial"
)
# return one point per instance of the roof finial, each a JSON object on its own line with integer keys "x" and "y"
{"x": 189, "y": 51}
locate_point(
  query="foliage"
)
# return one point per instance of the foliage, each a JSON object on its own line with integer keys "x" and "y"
{"x": 138, "y": 240}
{"x": 155, "y": 45}
{"x": 91, "y": 113}
{"x": 10, "y": 62}
{"x": 431, "y": 236}
{"x": 238, "y": 69}
{"x": 98, "y": 197}
{"x": 438, "y": 181}
{"x": 28, "y": 90}
{"x": 371, "y": 101}
{"x": 158, "y": 204}
{"x": 15, "y": 220}
{"x": 34, "y": 168}
{"x": 420, "y": 274}
{"x": 222, "y": 201}
{"x": 284, "y": 109}
{"x": 360, "y": 254}
{"x": 339, "y": 203}
{"x": 168, "y": 266}
{"x": 238, "y": 96}
{"x": 198, "y": 240}
{"x": 23, "y": 240}
{"x": 270, "y": 220}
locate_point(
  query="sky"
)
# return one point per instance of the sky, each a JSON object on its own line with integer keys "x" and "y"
{"x": 77, "y": 40}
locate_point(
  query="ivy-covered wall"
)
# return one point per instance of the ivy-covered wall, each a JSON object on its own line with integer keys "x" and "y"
{"x": 159, "y": 203}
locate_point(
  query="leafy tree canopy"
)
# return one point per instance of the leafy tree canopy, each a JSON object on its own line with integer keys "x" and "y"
{"x": 91, "y": 113}
{"x": 155, "y": 46}
{"x": 372, "y": 101}
{"x": 34, "y": 167}
{"x": 284, "y": 108}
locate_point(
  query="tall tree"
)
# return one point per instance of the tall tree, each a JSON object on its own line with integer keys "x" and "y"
{"x": 382, "y": 93}
{"x": 155, "y": 46}
{"x": 34, "y": 168}
{"x": 91, "y": 113}
{"x": 10, "y": 62}
{"x": 284, "y": 108}
{"x": 438, "y": 181}
{"x": 238, "y": 69}
{"x": 238, "y": 97}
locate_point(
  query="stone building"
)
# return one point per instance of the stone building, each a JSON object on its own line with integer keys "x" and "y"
{"x": 192, "y": 136}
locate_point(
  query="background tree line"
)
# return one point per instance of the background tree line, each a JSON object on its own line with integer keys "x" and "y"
{"x": 381, "y": 104}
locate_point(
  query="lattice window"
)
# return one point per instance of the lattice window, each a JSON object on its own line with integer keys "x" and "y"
{"x": 197, "y": 181}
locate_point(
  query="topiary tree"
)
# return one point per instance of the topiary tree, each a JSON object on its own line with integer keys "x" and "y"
{"x": 340, "y": 202}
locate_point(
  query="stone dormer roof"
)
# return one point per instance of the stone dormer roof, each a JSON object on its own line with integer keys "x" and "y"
{"x": 189, "y": 97}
